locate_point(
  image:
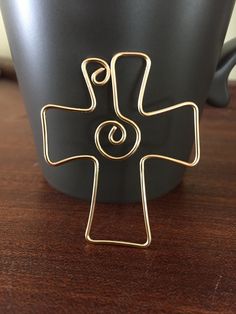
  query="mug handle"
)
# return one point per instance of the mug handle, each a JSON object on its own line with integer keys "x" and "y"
{"x": 218, "y": 95}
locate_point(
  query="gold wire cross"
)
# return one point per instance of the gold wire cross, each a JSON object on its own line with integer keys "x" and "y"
{"x": 110, "y": 73}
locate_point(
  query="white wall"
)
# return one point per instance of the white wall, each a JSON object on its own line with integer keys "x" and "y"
{"x": 5, "y": 52}
{"x": 4, "y": 48}
{"x": 231, "y": 33}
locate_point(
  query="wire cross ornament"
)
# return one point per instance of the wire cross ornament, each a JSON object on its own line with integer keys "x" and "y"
{"x": 110, "y": 74}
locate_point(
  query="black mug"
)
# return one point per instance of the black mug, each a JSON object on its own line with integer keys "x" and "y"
{"x": 50, "y": 39}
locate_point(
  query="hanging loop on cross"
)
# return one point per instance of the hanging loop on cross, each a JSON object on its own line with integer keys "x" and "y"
{"x": 94, "y": 77}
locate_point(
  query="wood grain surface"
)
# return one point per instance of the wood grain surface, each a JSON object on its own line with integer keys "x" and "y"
{"x": 46, "y": 266}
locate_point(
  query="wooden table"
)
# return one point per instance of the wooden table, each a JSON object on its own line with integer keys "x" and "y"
{"x": 46, "y": 266}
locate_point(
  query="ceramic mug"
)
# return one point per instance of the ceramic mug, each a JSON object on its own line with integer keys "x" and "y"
{"x": 49, "y": 41}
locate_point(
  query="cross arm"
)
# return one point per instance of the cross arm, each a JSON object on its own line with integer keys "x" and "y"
{"x": 196, "y": 133}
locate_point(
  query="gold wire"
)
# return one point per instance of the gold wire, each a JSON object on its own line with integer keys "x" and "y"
{"x": 111, "y": 72}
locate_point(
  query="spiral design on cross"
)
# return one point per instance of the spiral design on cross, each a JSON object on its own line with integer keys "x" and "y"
{"x": 115, "y": 126}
